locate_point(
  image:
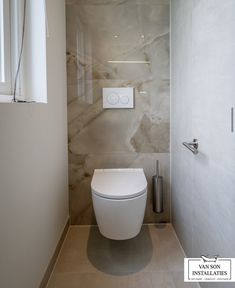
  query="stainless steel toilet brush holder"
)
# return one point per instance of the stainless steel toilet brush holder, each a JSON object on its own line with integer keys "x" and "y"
{"x": 157, "y": 187}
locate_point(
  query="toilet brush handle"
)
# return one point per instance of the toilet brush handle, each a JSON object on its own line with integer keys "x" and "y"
{"x": 157, "y": 168}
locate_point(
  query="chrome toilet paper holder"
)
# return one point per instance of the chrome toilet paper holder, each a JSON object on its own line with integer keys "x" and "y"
{"x": 192, "y": 146}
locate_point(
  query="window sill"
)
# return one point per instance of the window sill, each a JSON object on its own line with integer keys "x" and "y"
{"x": 9, "y": 99}
{"x": 6, "y": 99}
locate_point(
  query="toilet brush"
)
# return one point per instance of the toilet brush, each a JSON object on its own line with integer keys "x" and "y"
{"x": 157, "y": 187}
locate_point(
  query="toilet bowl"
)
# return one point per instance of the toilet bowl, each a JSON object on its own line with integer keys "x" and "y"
{"x": 119, "y": 200}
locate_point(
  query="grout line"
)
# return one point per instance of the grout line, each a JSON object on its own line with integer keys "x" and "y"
{"x": 181, "y": 247}
{"x": 81, "y": 225}
{"x": 144, "y": 224}
{"x": 170, "y": 141}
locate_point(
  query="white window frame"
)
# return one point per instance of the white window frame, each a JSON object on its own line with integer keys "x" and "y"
{"x": 5, "y": 49}
{"x": 11, "y": 33}
{"x": 31, "y": 84}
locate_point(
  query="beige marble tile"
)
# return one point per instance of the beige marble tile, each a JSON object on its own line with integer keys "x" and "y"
{"x": 116, "y": 2}
{"x": 142, "y": 29}
{"x": 151, "y": 137}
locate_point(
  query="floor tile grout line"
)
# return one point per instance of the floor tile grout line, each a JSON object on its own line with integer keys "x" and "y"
{"x": 181, "y": 247}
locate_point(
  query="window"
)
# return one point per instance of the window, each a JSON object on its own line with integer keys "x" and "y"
{"x": 5, "y": 48}
{"x": 23, "y": 66}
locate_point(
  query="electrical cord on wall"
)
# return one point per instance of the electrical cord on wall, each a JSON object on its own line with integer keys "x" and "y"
{"x": 20, "y": 55}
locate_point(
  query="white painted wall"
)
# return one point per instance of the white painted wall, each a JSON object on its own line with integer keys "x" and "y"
{"x": 203, "y": 91}
{"x": 33, "y": 171}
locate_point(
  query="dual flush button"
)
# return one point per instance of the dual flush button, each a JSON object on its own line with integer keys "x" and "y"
{"x": 113, "y": 98}
{"x": 118, "y": 97}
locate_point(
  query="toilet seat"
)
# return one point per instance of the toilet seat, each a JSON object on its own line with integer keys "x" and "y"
{"x": 119, "y": 184}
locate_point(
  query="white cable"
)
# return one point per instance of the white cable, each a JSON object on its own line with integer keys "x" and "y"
{"x": 46, "y": 20}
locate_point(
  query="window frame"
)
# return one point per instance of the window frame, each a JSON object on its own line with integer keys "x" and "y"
{"x": 29, "y": 78}
{"x": 6, "y": 48}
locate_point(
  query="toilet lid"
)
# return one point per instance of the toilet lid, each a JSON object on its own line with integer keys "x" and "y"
{"x": 119, "y": 183}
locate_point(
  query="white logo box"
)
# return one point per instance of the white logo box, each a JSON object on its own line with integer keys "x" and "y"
{"x": 209, "y": 269}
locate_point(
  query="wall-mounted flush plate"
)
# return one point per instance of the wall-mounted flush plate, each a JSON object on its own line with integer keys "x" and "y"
{"x": 118, "y": 97}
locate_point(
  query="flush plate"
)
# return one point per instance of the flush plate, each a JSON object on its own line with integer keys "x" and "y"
{"x": 117, "y": 98}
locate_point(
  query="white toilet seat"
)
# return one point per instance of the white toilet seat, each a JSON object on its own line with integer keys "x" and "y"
{"x": 118, "y": 183}
{"x": 119, "y": 199}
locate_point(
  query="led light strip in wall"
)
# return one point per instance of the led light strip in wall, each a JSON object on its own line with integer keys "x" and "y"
{"x": 129, "y": 62}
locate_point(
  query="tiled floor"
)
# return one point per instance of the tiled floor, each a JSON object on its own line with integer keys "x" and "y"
{"x": 153, "y": 259}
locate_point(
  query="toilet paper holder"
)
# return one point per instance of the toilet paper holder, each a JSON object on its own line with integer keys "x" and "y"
{"x": 192, "y": 146}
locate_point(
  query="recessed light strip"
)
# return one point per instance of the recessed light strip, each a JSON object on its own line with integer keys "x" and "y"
{"x": 129, "y": 62}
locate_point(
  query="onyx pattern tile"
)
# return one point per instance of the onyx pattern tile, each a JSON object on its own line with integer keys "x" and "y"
{"x": 143, "y": 33}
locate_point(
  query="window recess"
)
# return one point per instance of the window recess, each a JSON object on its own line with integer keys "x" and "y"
{"x": 5, "y": 49}
{"x": 23, "y": 66}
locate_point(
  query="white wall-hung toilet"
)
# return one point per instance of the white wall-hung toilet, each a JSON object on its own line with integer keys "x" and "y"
{"x": 119, "y": 200}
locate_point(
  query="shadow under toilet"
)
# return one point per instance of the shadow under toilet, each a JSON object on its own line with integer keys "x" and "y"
{"x": 122, "y": 257}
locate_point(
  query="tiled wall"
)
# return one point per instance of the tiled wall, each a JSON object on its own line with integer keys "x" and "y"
{"x": 203, "y": 70}
{"x": 99, "y": 31}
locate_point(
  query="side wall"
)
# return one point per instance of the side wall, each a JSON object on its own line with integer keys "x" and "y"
{"x": 203, "y": 73}
{"x": 33, "y": 171}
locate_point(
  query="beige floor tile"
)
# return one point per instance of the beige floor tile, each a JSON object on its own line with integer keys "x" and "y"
{"x": 74, "y": 265}
{"x": 170, "y": 279}
{"x": 166, "y": 247}
{"x": 162, "y": 280}
{"x": 158, "y": 262}
{"x": 153, "y": 259}
{"x": 140, "y": 280}
{"x": 178, "y": 279}
{"x": 67, "y": 280}
{"x": 120, "y": 257}
{"x": 73, "y": 257}
{"x": 100, "y": 280}
{"x": 76, "y": 240}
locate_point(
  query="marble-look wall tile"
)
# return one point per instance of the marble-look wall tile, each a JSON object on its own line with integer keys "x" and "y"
{"x": 117, "y": 2}
{"x": 99, "y": 31}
